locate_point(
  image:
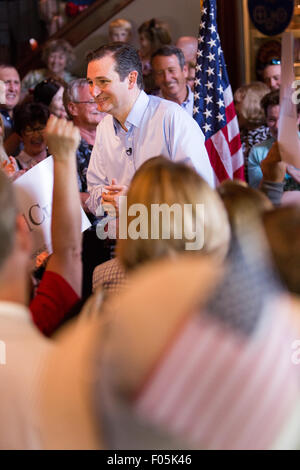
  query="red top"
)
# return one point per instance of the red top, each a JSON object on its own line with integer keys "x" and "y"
{"x": 53, "y": 301}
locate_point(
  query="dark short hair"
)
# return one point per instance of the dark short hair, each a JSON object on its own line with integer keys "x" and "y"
{"x": 125, "y": 56}
{"x": 272, "y": 99}
{"x": 5, "y": 65}
{"x": 44, "y": 91}
{"x": 158, "y": 33}
{"x": 167, "y": 51}
{"x": 273, "y": 61}
{"x": 29, "y": 114}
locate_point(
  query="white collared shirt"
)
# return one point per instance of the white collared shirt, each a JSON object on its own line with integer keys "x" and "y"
{"x": 155, "y": 127}
{"x": 188, "y": 103}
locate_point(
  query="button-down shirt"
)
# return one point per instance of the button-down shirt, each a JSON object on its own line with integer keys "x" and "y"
{"x": 188, "y": 103}
{"x": 155, "y": 127}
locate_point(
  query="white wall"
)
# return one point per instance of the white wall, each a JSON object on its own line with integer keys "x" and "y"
{"x": 183, "y": 16}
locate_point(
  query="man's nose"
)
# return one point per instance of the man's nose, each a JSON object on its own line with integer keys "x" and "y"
{"x": 168, "y": 76}
{"x": 94, "y": 90}
{"x": 274, "y": 84}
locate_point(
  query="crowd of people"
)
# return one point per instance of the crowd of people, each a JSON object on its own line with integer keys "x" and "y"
{"x": 173, "y": 321}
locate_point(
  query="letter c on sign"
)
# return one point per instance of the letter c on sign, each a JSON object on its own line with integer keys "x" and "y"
{"x": 33, "y": 215}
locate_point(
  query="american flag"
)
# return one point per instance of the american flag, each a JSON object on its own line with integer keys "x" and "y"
{"x": 213, "y": 101}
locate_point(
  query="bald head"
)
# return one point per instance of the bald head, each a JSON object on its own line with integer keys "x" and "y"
{"x": 188, "y": 45}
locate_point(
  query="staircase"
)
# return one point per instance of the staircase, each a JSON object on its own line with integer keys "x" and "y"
{"x": 77, "y": 29}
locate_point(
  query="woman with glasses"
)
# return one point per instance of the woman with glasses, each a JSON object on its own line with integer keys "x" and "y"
{"x": 30, "y": 124}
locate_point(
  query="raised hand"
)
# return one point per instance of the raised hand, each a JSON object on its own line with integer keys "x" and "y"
{"x": 62, "y": 138}
{"x": 273, "y": 168}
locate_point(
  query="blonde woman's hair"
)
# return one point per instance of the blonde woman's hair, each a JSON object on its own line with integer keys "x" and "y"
{"x": 120, "y": 23}
{"x": 250, "y": 97}
{"x": 243, "y": 203}
{"x": 161, "y": 181}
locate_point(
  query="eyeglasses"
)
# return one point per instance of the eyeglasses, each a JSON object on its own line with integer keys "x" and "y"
{"x": 31, "y": 131}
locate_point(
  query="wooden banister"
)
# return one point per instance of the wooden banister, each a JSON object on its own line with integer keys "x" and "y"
{"x": 78, "y": 28}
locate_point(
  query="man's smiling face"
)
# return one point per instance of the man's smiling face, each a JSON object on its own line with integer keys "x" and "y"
{"x": 169, "y": 77}
{"x": 109, "y": 92}
{"x": 10, "y": 77}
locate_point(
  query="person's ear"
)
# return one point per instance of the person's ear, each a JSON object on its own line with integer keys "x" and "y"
{"x": 72, "y": 108}
{"x": 132, "y": 79}
{"x": 185, "y": 71}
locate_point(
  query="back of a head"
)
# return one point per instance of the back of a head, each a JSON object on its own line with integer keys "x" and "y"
{"x": 174, "y": 197}
{"x": 126, "y": 58}
{"x": 242, "y": 203}
{"x": 250, "y": 96}
{"x": 8, "y": 213}
{"x": 282, "y": 226}
{"x": 45, "y": 91}
{"x": 189, "y": 46}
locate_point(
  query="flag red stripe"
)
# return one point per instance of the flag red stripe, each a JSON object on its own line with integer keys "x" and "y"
{"x": 230, "y": 112}
{"x": 215, "y": 161}
{"x": 239, "y": 174}
{"x": 235, "y": 144}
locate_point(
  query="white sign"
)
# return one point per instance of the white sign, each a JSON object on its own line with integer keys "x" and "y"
{"x": 34, "y": 194}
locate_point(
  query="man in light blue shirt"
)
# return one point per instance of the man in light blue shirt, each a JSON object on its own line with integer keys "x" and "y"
{"x": 170, "y": 73}
{"x": 138, "y": 127}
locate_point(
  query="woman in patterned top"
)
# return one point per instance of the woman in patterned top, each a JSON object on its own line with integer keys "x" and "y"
{"x": 251, "y": 117}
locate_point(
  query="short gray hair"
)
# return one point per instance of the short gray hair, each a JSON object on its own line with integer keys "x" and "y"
{"x": 71, "y": 92}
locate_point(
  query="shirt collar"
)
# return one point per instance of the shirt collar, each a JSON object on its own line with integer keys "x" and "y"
{"x": 135, "y": 116}
{"x": 24, "y": 158}
{"x": 184, "y": 103}
{"x": 189, "y": 96}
